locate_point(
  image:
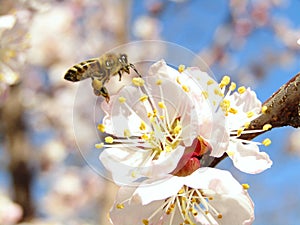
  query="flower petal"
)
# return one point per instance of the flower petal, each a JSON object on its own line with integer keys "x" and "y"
{"x": 248, "y": 158}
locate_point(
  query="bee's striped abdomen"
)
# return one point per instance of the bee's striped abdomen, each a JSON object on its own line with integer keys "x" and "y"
{"x": 78, "y": 72}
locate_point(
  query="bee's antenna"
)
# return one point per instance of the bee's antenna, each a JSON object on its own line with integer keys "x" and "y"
{"x": 135, "y": 70}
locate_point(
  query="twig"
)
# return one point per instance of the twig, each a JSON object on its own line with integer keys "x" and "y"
{"x": 283, "y": 109}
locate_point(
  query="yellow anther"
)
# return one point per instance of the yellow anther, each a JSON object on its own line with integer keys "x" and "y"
{"x": 233, "y": 111}
{"x": 109, "y": 139}
{"x": 145, "y": 222}
{"x": 159, "y": 82}
{"x": 209, "y": 82}
{"x": 126, "y": 133}
{"x": 246, "y": 125}
{"x": 161, "y": 105}
{"x": 266, "y": 142}
{"x": 267, "y": 126}
{"x": 218, "y": 92}
{"x": 264, "y": 109}
{"x": 178, "y": 80}
{"x": 185, "y": 88}
{"x": 100, "y": 145}
{"x": 250, "y": 114}
{"x": 120, "y": 206}
{"x": 205, "y": 94}
{"x": 241, "y": 89}
{"x": 220, "y": 216}
{"x": 137, "y": 81}
{"x": 168, "y": 148}
{"x": 101, "y": 127}
{"x": 225, "y": 81}
{"x": 162, "y": 117}
{"x": 239, "y": 131}
{"x": 232, "y": 86}
{"x": 143, "y": 126}
{"x": 177, "y": 129}
{"x": 122, "y": 99}
{"x": 143, "y": 98}
{"x": 181, "y": 68}
{"x": 181, "y": 191}
{"x": 145, "y": 137}
{"x": 133, "y": 174}
{"x": 246, "y": 186}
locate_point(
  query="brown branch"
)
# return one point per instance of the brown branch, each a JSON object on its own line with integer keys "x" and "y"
{"x": 283, "y": 109}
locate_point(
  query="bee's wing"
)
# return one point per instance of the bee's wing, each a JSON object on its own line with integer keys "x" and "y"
{"x": 83, "y": 70}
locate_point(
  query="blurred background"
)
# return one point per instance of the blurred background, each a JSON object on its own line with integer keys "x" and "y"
{"x": 43, "y": 177}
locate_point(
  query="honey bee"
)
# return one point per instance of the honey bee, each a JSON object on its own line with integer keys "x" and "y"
{"x": 100, "y": 70}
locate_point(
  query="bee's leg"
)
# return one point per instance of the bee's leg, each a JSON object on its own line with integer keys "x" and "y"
{"x": 120, "y": 75}
{"x": 135, "y": 70}
{"x": 104, "y": 93}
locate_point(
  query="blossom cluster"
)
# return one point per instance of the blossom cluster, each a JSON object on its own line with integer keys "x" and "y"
{"x": 160, "y": 136}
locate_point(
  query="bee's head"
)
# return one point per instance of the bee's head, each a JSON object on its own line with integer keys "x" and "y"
{"x": 123, "y": 59}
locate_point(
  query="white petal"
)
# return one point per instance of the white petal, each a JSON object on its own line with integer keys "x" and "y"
{"x": 248, "y": 158}
{"x": 158, "y": 189}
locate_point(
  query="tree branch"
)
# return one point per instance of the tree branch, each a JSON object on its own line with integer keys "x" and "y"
{"x": 283, "y": 109}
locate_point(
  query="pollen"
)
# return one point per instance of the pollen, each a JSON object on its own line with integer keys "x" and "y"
{"x": 145, "y": 137}
{"x": 159, "y": 82}
{"x": 168, "y": 148}
{"x": 267, "y": 127}
{"x": 137, "y": 81}
{"x": 122, "y": 99}
{"x": 205, "y": 94}
{"x": 120, "y": 206}
{"x": 109, "y": 139}
{"x": 143, "y": 98}
{"x": 264, "y": 109}
{"x": 142, "y": 126}
{"x": 185, "y": 88}
{"x": 99, "y": 145}
{"x": 239, "y": 131}
{"x": 232, "y": 86}
{"x": 250, "y": 114}
{"x": 246, "y": 125}
{"x": 209, "y": 82}
{"x": 246, "y": 186}
{"x": 126, "y": 133}
{"x": 241, "y": 89}
{"x": 178, "y": 80}
{"x": 161, "y": 105}
{"x": 177, "y": 129}
{"x": 266, "y": 142}
{"x": 181, "y": 68}
{"x": 233, "y": 111}
{"x": 225, "y": 81}
{"x": 218, "y": 92}
{"x": 101, "y": 127}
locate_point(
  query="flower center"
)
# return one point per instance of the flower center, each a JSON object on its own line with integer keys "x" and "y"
{"x": 193, "y": 205}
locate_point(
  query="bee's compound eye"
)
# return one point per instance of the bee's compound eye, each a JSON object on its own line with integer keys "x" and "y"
{"x": 123, "y": 59}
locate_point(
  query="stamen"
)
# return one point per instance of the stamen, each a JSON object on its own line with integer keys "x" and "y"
{"x": 109, "y": 139}
{"x": 185, "y": 88}
{"x": 122, "y": 99}
{"x": 143, "y": 98}
{"x": 159, "y": 82}
{"x": 241, "y": 89}
{"x": 246, "y": 186}
{"x": 101, "y": 127}
{"x": 209, "y": 82}
{"x": 205, "y": 94}
{"x": 267, "y": 127}
{"x": 138, "y": 81}
{"x": 264, "y": 109}
{"x": 232, "y": 86}
{"x": 100, "y": 145}
{"x": 181, "y": 68}
{"x": 266, "y": 142}
{"x": 224, "y": 82}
